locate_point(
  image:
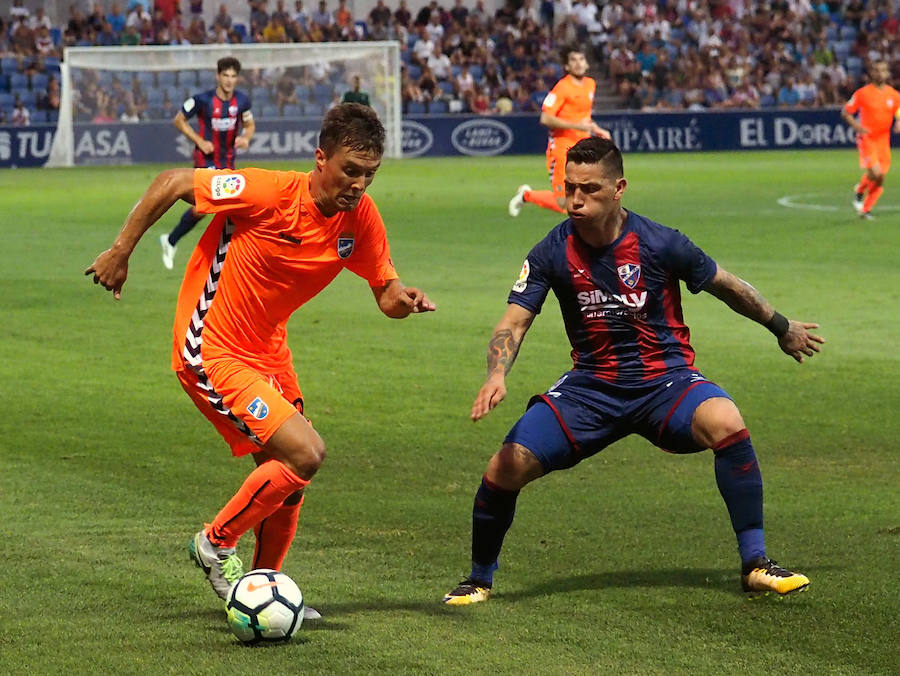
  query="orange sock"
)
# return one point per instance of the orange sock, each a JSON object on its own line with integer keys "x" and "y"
{"x": 863, "y": 184}
{"x": 543, "y": 198}
{"x": 261, "y": 494}
{"x": 274, "y": 535}
{"x": 872, "y": 197}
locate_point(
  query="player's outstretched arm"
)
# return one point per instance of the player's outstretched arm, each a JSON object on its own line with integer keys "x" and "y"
{"x": 398, "y": 301}
{"x": 501, "y": 353}
{"x": 794, "y": 337}
{"x": 110, "y": 268}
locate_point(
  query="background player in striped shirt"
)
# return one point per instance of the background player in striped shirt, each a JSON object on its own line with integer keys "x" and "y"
{"x": 285, "y": 236}
{"x": 878, "y": 105}
{"x": 566, "y": 112}
{"x": 220, "y": 113}
{"x": 617, "y": 278}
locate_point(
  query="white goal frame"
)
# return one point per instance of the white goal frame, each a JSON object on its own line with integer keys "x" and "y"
{"x": 385, "y": 93}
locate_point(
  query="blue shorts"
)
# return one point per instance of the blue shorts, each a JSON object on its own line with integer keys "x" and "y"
{"x": 582, "y": 414}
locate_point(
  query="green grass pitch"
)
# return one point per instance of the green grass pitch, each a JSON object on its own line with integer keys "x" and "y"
{"x": 626, "y": 564}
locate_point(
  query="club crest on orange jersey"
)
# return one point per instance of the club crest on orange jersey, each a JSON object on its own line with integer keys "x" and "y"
{"x": 345, "y": 245}
{"x": 629, "y": 274}
{"x": 258, "y": 408}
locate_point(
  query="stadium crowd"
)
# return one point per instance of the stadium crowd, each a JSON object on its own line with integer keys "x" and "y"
{"x": 663, "y": 55}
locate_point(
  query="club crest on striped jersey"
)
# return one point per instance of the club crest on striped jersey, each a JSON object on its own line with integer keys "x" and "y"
{"x": 345, "y": 244}
{"x": 224, "y": 186}
{"x": 629, "y": 273}
{"x": 522, "y": 281}
{"x": 258, "y": 408}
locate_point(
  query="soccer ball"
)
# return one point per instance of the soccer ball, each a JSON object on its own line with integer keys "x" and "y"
{"x": 264, "y": 606}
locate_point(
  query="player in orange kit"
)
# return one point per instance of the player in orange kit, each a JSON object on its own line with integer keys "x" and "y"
{"x": 278, "y": 238}
{"x": 566, "y": 112}
{"x": 878, "y": 104}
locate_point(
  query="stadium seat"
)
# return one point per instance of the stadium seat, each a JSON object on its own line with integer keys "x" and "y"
{"x": 842, "y": 49}
{"x": 165, "y": 78}
{"x": 322, "y": 93}
{"x": 269, "y": 112}
{"x": 6, "y": 100}
{"x": 154, "y": 97}
{"x": 405, "y": 56}
{"x": 313, "y": 109}
{"x": 53, "y": 116}
{"x": 446, "y": 87}
{"x": 29, "y": 98}
{"x": 56, "y": 34}
{"x": 146, "y": 78}
{"x": 414, "y": 72}
{"x": 38, "y": 116}
{"x": 9, "y": 65}
{"x": 292, "y": 110}
{"x": 848, "y": 33}
{"x": 241, "y": 30}
{"x": 362, "y": 29}
{"x": 854, "y": 66}
{"x": 154, "y": 113}
{"x": 831, "y": 33}
{"x": 303, "y": 93}
{"x": 766, "y": 101}
{"x": 18, "y": 81}
{"x": 4, "y": 82}
{"x": 455, "y": 70}
{"x": 476, "y": 72}
{"x": 39, "y": 82}
{"x": 260, "y": 95}
{"x": 438, "y": 107}
{"x": 51, "y": 63}
{"x": 415, "y": 108}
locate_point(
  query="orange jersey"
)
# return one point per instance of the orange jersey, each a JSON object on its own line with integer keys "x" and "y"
{"x": 268, "y": 251}
{"x": 877, "y": 108}
{"x": 571, "y": 101}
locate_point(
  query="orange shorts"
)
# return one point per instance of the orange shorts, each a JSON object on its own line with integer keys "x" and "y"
{"x": 556, "y": 164}
{"x": 874, "y": 152}
{"x": 245, "y": 406}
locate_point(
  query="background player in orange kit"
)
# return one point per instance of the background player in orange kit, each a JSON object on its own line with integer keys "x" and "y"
{"x": 878, "y": 104}
{"x": 279, "y": 237}
{"x": 566, "y": 112}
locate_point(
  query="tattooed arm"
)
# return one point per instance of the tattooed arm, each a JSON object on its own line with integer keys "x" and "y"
{"x": 502, "y": 351}
{"x": 794, "y": 339}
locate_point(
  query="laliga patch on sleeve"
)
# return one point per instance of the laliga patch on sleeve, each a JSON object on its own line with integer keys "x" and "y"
{"x": 189, "y": 104}
{"x": 522, "y": 281}
{"x": 225, "y": 186}
{"x": 549, "y": 100}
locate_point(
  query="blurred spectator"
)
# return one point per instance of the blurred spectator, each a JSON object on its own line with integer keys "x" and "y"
{"x": 285, "y": 91}
{"x": 129, "y": 114}
{"x": 464, "y": 82}
{"x": 380, "y": 14}
{"x": 135, "y": 19}
{"x": 116, "y": 19}
{"x": 356, "y": 94}
{"x": 274, "y": 30}
{"x": 322, "y": 16}
{"x": 20, "y": 116}
{"x": 301, "y": 16}
{"x": 439, "y": 63}
{"x": 788, "y": 96}
{"x": 49, "y": 99}
{"x": 428, "y": 84}
{"x": 38, "y": 19}
{"x": 343, "y": 18}
{"x": 223, "y": 18}
{"x": 459, "y": 13}
{"x": 18, "y": 12}
{"x": 402, "y": 14}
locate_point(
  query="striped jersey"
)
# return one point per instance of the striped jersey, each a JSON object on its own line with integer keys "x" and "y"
{"x": 220, "y": 122}
{"x": 621, "y": 304}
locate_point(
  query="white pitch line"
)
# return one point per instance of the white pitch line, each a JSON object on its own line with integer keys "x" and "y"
{"x": 790, "y": 202}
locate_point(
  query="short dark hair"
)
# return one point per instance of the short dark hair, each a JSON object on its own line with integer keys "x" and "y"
{"x": 596, "y": 150}
{"x": 352, "y": 126}
{"x": 228, "y": 63}
{"x": 566, "y": 50}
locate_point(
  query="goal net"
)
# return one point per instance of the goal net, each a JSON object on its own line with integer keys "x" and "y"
{"x": 287, "y": 83}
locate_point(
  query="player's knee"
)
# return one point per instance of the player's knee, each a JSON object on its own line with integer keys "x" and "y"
{"x": 513, "y": 466}
{"x": 306, "y": 457}
{"x": 716, "y": 419}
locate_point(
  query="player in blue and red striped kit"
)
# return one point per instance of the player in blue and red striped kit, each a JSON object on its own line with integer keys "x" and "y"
{"x": 221, "y": 114}
{"x": 617, "y": 277}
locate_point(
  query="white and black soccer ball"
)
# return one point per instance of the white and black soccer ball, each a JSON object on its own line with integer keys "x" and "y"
{"x": 264, "y": 606}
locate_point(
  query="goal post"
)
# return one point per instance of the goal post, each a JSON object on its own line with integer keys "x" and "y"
{"x": 168, "y": 75}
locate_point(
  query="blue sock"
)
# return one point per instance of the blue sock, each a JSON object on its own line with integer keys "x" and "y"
{"x": 185, "y": 225}
{"x": 740, "y": 483}
{"x": 492, "y": 515}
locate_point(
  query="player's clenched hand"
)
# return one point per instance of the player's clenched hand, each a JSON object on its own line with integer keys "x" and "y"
{"x": 798, "y": 341}
{"x": 416, "y": 300}
{"x": 110, "y": 269}
{"x": 491, "y": 394}
{"x": 241, "y": 142}
{"x": 206, "y": 147}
